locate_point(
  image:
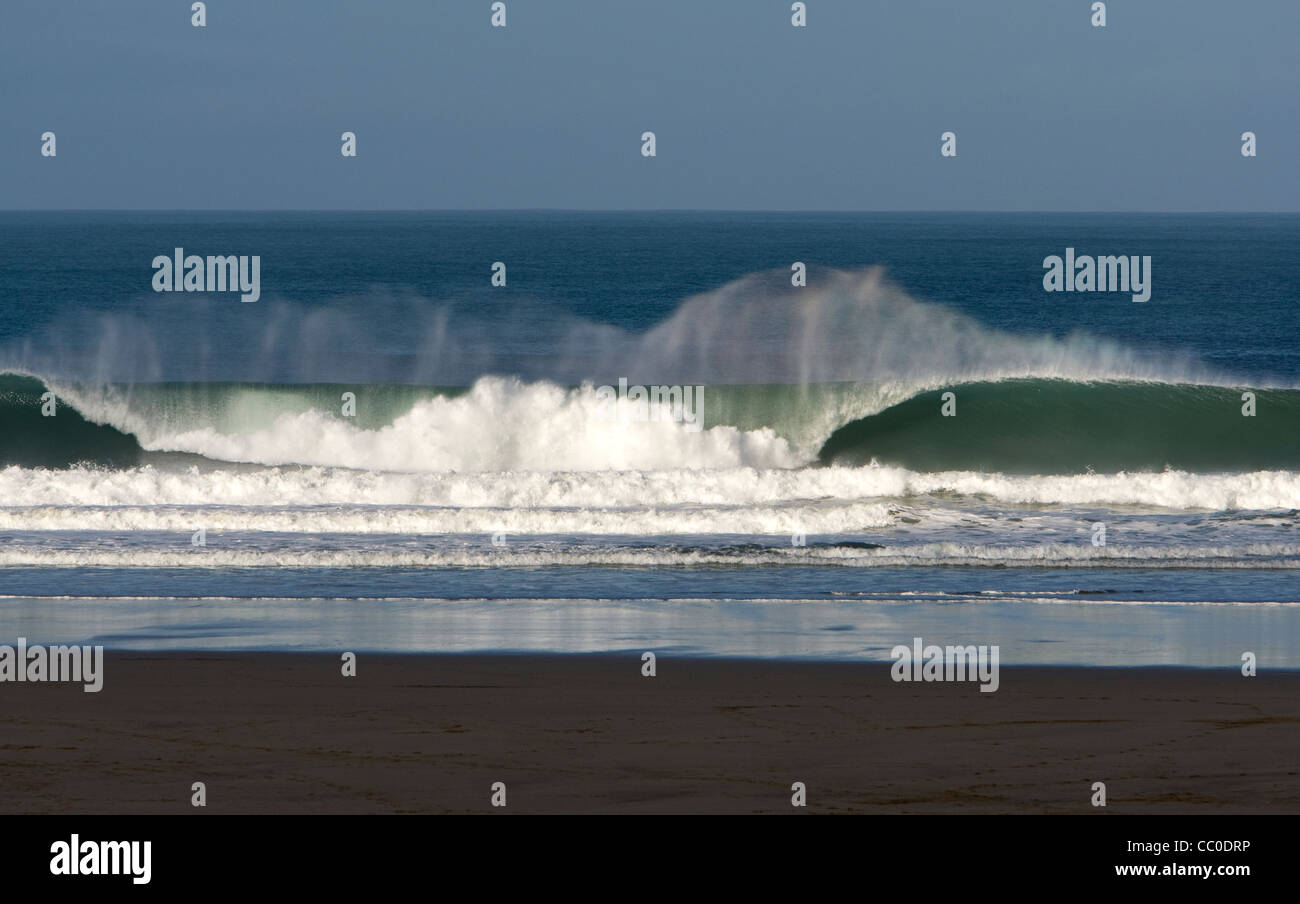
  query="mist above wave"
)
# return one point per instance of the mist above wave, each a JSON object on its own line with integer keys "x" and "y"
{"x": 843, "y": 326}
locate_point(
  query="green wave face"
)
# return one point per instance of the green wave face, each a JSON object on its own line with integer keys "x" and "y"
{"x": 31, "y": 439}
{"x": 1035, "y": 426}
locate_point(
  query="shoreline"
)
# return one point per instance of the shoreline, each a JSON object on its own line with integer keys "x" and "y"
{"x": 283, "y": 732}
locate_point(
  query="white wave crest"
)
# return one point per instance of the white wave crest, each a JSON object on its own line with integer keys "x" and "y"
{"x": 500, "y": 424}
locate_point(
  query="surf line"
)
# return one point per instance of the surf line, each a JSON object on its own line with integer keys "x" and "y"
{"x": 222, "y": 273}
{"x": 1108, "y": 273}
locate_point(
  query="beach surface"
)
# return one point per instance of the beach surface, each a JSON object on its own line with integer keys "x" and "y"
{"x": 288, "y": 733}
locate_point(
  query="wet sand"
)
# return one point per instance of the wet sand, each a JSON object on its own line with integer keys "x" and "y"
{"x": 287, "y": 733}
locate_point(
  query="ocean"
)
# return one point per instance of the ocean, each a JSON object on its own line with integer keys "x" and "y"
{"x": 592, "y": 432}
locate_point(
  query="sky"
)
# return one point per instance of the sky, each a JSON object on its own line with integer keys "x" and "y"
{"x": 749, "y": 112}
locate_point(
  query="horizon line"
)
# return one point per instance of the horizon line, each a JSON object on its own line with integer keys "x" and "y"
{"x": 614, "y": 210}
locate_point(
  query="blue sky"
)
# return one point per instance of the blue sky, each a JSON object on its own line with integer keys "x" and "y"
{"x": 749, "y": 112}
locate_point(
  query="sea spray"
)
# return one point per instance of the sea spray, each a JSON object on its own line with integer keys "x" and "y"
{"x": 844, "y": 326}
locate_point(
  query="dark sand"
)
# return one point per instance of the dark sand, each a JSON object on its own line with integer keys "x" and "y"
{"x": 285, "y": 733}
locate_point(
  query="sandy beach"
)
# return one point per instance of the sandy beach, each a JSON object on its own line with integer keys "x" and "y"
{"x": 287, "y": 733}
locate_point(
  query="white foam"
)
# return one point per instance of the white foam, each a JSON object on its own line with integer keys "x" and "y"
{"x": 1257, "y": 490}
{"x": 642, "y": 521}
{"x": 722, "y": 489}
{"x": 1243, "y": 556}
{"x": 500, "y": 424}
